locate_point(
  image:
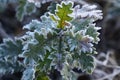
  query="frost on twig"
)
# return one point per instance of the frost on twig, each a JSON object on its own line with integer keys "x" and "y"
{"x": 107, "y": 67}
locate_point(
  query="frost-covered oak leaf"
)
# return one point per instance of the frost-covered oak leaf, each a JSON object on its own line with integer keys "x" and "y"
{"x": 62, "y": 14}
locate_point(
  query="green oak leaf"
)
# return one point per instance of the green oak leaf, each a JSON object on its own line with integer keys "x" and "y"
{"x": 62, "y": 14}
{"x": 42, "y": 76}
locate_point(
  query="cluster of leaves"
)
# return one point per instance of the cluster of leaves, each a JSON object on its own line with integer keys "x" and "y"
{"x": 24, "y": 7}
{"x": 59, "y": 41}
{"x": 9, "y": 60}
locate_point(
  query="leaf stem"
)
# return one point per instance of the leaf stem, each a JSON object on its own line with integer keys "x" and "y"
{"x": 60, "y": 49}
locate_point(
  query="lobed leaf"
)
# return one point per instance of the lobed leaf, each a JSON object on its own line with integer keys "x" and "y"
{"x": 87, "y": 62}
{"x": 62, "y": 14}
